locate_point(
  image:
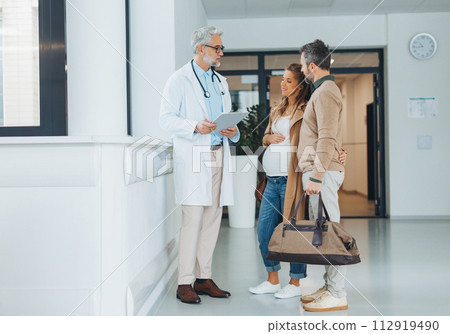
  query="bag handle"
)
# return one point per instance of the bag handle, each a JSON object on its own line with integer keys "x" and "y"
{"x": 322, "y": 208}
{"x": 320, "y": 221}
{"x": 294, "y": 216}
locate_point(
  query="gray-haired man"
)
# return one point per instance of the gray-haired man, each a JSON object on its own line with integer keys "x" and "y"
{"x": 194, "y": 96}
{"x": 320, "y": 143}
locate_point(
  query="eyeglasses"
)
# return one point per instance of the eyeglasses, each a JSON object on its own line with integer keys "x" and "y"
{"x": 218, "y": 48}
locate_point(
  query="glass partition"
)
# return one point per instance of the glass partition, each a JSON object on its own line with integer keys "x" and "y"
{"x": 244, "y": 90}
{"x": 339, "y": 60}
{"x": 233, "y": 63}
{"x": 279, "y": 62}
{"x": 355, "y": 59}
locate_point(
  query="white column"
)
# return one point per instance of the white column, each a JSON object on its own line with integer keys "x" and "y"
{"x": 96, "y": 68}
{"x": 152, "y": 55}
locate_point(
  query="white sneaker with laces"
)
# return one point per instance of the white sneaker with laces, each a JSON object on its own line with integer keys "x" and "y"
{"x": 326, "y": 302}
{"x": 289, "y": 291}
{"x": 264, "y": 287}
{"x": 313, "y": 296}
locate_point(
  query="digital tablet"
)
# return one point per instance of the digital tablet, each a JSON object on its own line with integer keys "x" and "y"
{"x": 228, "y": 119}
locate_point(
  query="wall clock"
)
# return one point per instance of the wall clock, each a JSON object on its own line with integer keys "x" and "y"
{"x": 423, "y": 46}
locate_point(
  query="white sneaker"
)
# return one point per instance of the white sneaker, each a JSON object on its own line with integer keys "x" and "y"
{"x": 327, "y": 302}
{"x": 313, "y": 296}
{"x": 289, "y": 291}
{"x": 264, "y": 287}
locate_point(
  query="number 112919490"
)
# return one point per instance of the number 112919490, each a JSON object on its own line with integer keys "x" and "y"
{"x": 383, "y": 325}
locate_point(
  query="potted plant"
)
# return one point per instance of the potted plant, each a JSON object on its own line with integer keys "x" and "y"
{"x": 242, "y": 213}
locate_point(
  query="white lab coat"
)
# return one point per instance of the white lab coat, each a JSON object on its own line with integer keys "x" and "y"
{"x": 182, "y": 107}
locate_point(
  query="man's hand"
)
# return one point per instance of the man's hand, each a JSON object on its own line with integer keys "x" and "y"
{"x": 229, "y": 132}
{"x": 312, "y": 187}
{"x": 205, "y": 127}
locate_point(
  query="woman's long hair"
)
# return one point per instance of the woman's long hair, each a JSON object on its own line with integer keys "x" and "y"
{"x": 302, "y": 96}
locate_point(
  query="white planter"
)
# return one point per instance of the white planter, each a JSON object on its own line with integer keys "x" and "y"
{"x": 242, "y": 213}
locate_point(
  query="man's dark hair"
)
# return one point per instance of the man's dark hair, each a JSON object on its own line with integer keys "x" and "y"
{"x": 318, "y": 53}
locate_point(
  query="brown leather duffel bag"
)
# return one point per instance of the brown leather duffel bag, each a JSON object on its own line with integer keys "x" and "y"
{"x": 313, "y": 242}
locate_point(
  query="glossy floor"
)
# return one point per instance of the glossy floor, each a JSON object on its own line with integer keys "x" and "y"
{"x": 405, "y": 270}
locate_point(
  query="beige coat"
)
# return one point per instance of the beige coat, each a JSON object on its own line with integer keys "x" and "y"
{"x": 321, "y": 133}
{"x": 294, "y": 187}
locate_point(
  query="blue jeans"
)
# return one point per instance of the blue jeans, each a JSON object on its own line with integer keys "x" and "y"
{"x": 269, "y": 216}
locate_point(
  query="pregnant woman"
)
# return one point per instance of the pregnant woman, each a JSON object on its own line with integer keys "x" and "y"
{"x": 281, "y": 134}
{"x": 284, "y": 182}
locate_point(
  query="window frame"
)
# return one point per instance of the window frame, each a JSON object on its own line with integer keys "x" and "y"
{"x": 52, "y": 74}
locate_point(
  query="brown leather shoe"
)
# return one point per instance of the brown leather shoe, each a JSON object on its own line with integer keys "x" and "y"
{"x": 186, "y": 294}
{"x": 210, "y": 288}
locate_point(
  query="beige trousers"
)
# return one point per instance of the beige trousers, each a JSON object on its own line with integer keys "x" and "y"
{"x": 200, "y": 230}
{"x": 334, "y": 276}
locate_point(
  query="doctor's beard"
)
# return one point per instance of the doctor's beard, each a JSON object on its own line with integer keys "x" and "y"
{"x": 210, "y": 61}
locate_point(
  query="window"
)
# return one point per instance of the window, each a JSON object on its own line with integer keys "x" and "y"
{"x": 280, "y": 61}
{"x": 243, "y": 90}
{"x": 238, "y": 63}
{"x": 355, "y": 59}
{"x": 32, "y": 68}
{"x": 19, "y": 84}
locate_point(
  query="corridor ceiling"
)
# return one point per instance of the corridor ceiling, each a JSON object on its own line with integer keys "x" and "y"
{"x": 239, "y": 9}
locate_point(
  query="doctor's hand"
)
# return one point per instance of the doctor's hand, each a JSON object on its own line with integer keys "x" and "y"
{"x": 312, "y": 187}
{"x": 205, "y": 127}
{"x": 229, "y": 132}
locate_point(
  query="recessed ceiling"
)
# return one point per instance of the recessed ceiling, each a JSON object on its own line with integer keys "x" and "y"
{"x": 234, "y": 9}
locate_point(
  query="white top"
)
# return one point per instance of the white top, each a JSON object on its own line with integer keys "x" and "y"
{"x": 277, "y": 156}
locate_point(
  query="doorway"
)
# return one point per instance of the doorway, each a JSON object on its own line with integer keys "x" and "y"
{"x": 359, "y": 75}
{"x": 356, "y": 195}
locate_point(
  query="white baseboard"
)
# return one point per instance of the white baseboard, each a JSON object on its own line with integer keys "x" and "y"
{"x": 419, "y": 217}
{"x": 155, "y": 300}
{"x": 148, "y": 286}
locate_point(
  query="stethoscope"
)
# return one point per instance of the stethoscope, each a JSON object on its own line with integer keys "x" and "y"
{"x": 205, "y": 92}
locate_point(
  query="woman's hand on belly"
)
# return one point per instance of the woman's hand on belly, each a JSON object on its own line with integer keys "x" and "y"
{"x": 276, "y": 138}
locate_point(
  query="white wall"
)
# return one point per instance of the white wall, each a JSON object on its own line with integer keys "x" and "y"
{"x": 410, "y": 192}
{"x": 50, "y": 229}
{"x": 159, "y": 44}
{"x": 74, "y": 236}
{"x": 291, "y": 33}
{"x": 160, "y": 34}
{"x": 152, "y": 59}
{"x": 96, "y": 68}
{"x": 419, "y": 180}
{"x": 189, "y": 16}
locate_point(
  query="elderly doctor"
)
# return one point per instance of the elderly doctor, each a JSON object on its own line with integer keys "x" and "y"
{"x": 193, "y": 97}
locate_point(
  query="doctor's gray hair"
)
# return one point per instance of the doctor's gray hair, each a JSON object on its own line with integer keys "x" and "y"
{"x": 203, "y": 36}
